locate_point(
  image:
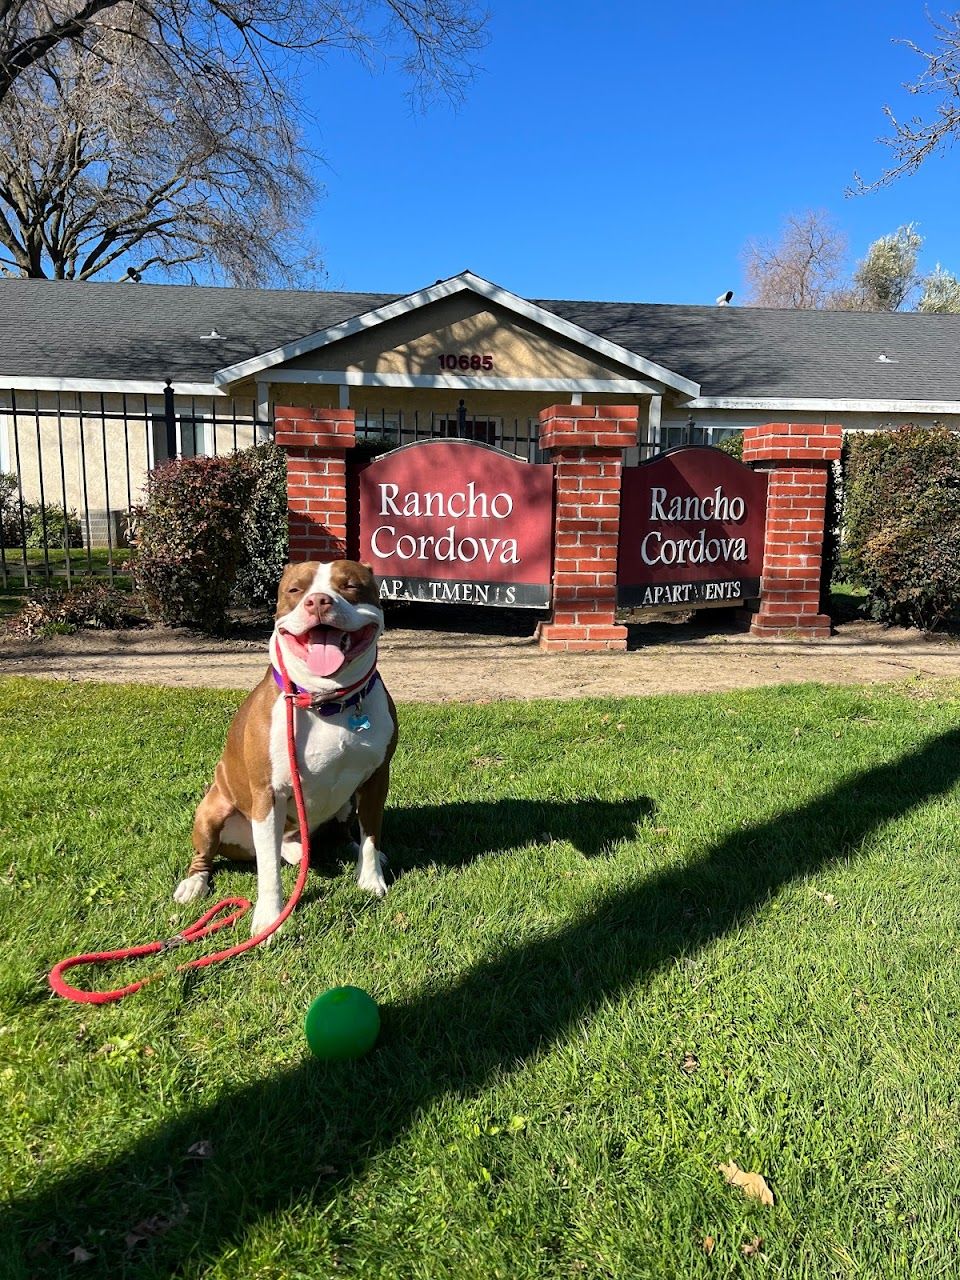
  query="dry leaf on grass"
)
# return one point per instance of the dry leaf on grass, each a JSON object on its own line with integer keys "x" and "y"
{"x": 753, "y": 1185}
{"x": 79, "y": 1254}
{"x": 709, "y": 1244}
{"x": 750, "y": 1247}
{"x": 148, "y": 1228}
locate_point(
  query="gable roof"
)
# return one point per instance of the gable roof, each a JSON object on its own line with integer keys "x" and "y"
{"x": 465, "y": 282}
{"x": 107, "y": 332}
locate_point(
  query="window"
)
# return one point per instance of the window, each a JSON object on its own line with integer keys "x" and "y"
{"x": 378, "y": 428}
{"x": 194, "y": 437}
{"x": 671, "y": 437}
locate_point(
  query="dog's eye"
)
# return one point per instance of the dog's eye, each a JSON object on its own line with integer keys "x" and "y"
{"x": 294, "y": 591}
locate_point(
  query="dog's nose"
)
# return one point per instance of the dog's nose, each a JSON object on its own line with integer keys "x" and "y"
{"x": 316, "y": 603}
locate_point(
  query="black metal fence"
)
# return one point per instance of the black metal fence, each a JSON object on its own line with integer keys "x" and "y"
{"x": 73, "y": 465}
{"x": 378, "y": 430}
{"x": 381, "y": 429}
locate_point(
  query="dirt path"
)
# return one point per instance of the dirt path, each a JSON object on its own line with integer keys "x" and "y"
{"x": 433, "y": 659}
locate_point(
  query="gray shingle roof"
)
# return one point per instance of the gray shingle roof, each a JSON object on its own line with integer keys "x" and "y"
{"x": 72, "y": 329}
{"x": 753, "y": 351}
{"x": 126, "y": 331}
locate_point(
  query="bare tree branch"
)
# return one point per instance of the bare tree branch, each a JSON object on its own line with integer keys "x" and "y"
{"x": 119, "y": 153}
{"x": 38, "y": 39}
{"x": 802, "y": 269}
{"x": 166, "y": 127}
{"x": 913, "y": 141}
{"x": 435, "y": 39}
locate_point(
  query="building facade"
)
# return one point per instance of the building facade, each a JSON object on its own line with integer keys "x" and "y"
{"x": 100, "y": 382}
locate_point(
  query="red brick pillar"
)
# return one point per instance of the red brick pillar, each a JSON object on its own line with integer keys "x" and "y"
{"x": 316, "y": 441}
{"x": 587, "y": 444}
{"x": 798, "y": 458}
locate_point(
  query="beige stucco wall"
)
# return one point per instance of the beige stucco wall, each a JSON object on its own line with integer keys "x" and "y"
{"x": 460, "y": 325}
{"x": 304, "y": 396}
{"x": 92, "y": 453}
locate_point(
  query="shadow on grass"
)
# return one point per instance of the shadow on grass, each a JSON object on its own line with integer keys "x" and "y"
{"x": 455, "y": 834}
{"x": 492, "y": 1019}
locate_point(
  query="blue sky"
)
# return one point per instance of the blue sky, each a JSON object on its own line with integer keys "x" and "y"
{"x": 625, "y": 151}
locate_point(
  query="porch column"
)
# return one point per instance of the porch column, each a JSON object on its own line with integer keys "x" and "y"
{"x": 316, "y": 442}
{"x": 798, "y": 457}
{"x": 586, "y": 443}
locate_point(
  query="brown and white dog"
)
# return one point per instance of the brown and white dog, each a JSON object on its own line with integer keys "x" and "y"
{"x": 328, "y": 622}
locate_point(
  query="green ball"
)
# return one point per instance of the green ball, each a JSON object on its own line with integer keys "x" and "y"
{"x": 344, "y": 1022}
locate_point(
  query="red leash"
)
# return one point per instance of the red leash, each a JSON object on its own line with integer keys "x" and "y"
{"x": 200, "y": 928}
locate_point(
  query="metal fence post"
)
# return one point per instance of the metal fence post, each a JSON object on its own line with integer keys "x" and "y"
{"x": 170, "y": 420}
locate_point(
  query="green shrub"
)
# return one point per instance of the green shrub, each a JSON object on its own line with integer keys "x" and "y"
{"x": 832, "y": 567}
{"x": 902, "y": 523}
{"x": 24, "y": 521}
{"x": 732, "y": 445}
{"x": 62, "y": 527}
{"x": 188, "y": 539}
{"x": 265, "y": 543}
{"x": 10, "y": 509}
{"x": 884, "y": 475}
{"x": 365, "y": 449}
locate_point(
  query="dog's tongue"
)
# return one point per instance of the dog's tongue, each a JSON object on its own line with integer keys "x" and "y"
{"x": 324, "y": 655}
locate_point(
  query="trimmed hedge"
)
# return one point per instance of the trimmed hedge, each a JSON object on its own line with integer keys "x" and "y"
{"x": 188, "y": 540}
{"x": 264, "y": 535}
{"x": 902, "y": 523}
{"x": 213, "y": 532}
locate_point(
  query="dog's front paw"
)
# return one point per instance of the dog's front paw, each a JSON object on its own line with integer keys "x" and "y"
{"x": 195, "y": 886}
{"x": 370, "y": 873}
{"x": 264, "y": 915}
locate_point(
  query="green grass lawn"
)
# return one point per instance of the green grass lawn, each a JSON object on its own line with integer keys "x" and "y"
{"x": 95, "y": 560}
{"x": 628, "y": 941}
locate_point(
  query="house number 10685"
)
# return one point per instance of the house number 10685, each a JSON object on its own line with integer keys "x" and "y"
{"x": 466, "y": 362}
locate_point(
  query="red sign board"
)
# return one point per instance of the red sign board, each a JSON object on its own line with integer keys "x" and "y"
{"x": 691, "y": 530}
{"x": 450, "y": 521}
